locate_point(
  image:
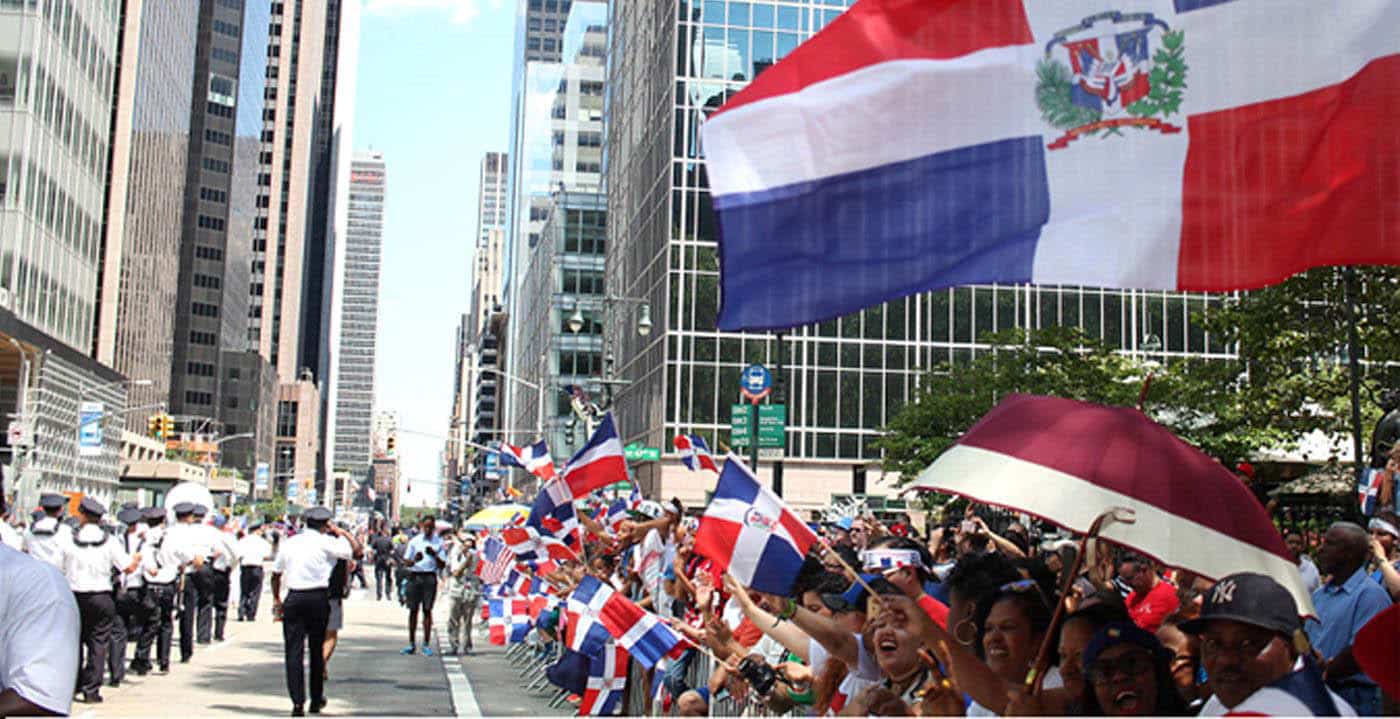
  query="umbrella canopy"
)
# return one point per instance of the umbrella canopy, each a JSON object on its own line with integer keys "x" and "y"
{"x": 496, "y": 516}
{"x": 1066, "y": 462}
{"x": 192, "y": 492}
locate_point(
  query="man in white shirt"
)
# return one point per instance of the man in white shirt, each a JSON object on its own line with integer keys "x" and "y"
{"x": 39, "y": 631}
{"x": 253, "y": 552}
{"x": 225, "y": 561}
{"x": 304, "y": 564}
{"x": 48, "y": 538}
{"x": 126, "y": 625}
{"x": 1312, "y": 579}
{"x": 212, "y": 577}
{"x": 9, "y": 536}
{"x": 188, "y": 547}
{"x": 88, "y": 567}
{"x": 160, "y": 570}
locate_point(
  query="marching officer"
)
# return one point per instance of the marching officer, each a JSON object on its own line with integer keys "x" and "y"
{"x": 207, "y": 541}
{"x": 253, "y": 552}
{"x": 48, "y": 538}
{"x": 160, "y": 571}
{"x": 88, "y": 567}
{"x": 306, "y": 561}
{"x": 126, "y": 626}
{"x": 187, "y": 547}
{"x": 225, "y": 560}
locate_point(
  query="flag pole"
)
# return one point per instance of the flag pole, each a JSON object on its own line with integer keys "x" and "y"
{"x": 849, "y": 570}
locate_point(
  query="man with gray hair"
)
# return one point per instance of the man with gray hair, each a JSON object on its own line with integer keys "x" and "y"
{"x": 1344, "y": 604}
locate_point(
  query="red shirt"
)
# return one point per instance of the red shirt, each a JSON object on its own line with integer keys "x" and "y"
{"x": 1148, "y": 611}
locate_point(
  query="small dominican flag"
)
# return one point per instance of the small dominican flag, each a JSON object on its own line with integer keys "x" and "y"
{"x": 599, "y": 463}
{"x": 533, "y": 459}
{"x": 553, "y": 513}
{"x": 607, "y": 682}
{"x": 528, "y": 543}
{"x": 640, "y": 632}
{"x": 510, "y": 620}
{"x": 748, "y": 531}
{"x": 1370, "y": 491}
{"x": 695, "y": 453}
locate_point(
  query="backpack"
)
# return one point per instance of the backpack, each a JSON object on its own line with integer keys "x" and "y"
{"x": 339, "y": 587}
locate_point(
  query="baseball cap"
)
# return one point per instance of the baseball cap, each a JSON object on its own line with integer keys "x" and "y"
{"x": 844, "y": 523}
{"x": 1248, "y": 598}
{"x": 1116, "y": 633}
{"x": 649, "y": 509}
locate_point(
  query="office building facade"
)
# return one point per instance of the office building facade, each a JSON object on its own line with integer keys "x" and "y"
{"x": 297, "y": 456}
{"x": 351, "y": 403}
{"x": 843, "y": 378}
{"x": 211, "y": 312}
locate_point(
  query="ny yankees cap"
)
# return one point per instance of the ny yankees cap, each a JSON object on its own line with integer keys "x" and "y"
{"x": 1248, "y": 598}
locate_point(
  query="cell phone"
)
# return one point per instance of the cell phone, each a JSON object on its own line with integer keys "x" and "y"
{"x": 969, "y": 526}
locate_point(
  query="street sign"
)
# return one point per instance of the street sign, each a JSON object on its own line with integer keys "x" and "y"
{"x": 755, "y": 382}
{"x": 90, "y": 429}
{"x": 293, "y": 489}
{"x": 638, "y": 453}
{"x": 260, "y": 476}
{"x": 21, "y": 434}
{"x": 772, "y": 428}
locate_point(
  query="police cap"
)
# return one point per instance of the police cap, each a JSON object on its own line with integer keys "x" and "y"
{"x": 200, "y": 510}
{"x": 151, "y": 513}
{"x": 184, "y": 509}
{"x": 129, "y": 515}
{"x": 317, "y": 514}
{"x": 92, "y": 506}
{"x": 52, "y": 501}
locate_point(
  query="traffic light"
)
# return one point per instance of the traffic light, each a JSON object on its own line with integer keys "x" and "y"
{"x": 153, "y": 426}
{"x": 389, "y": 444}
{"x": 167, "y": 426}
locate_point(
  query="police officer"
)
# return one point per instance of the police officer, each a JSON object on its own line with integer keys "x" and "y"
{"x": 48, "y": 538}
{"x": 160, "y": 570}
{"x": 253, "y": 552}
{"x": 127, "y": 624}
{"x": 304, "y": 564}
{"x": 209, "y": 545}
{"x": 225, "y": 561}
{"x": 88, "y": 567}
{"x": 186, "y": 546}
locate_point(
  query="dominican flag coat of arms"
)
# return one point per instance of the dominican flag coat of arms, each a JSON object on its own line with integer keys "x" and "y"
{"x": 913, "y": 145}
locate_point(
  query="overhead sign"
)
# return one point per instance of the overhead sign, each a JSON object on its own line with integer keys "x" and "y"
{"x": 756, "y": 382}
{"x": 90, "y": 429}
{"x": 772, "y": 427}
{"x": 260, "y": 476}
{"x": 637, "y": 453}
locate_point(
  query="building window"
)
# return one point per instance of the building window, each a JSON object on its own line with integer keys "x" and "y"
{"x": 207, "y": 281}
{"x": 208, "y": 253}
{"x": 199, "y": 369}
{"x": 203, "y": 338}
{"x": 204, "y": 398}
{"x": 211, "y": 223}
{"x": 209, "y": 194}
{"x": 286, "y": 419}
{"x": 226, "y": 28}
{"x": 222, "y": 90}
{"x": 203, "y": 309}
{"x": 214, "y": 165}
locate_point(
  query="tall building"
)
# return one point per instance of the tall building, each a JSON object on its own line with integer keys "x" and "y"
{"x": 843, "y": 378}
{"x": 211, "y": 312}
{"x": 493, "y": 200}
{"x": 297, "y": 460}
{"x": 540, "y": 29}
{"x": 58, "y": 82}
{"x": 142, "y": 263}
{"x": 351, "y": 389}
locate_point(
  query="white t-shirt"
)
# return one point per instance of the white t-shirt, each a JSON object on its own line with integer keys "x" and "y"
{"x": 1269, "y": 701}
{"x": 89, "y": 566}
{"x": 1053, "y": 680}
{"x": 253, "y": 551}
{"x": 39, "y": 629}
{"x": 306, "y": 560}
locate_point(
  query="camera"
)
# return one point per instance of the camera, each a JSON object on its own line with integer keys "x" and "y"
{"x": 760, "y": 676}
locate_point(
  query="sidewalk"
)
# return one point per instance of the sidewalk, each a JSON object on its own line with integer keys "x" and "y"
{"x": 244, "y": 675}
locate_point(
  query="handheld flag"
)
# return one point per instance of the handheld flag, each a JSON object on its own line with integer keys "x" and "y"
{"x": 748, "y": 531}
{"x": 607, "y": 682}
{"x": 640, "y": 632}
{"x": 934, "y": 143}
{"x": 552, "y": 513}
{"x": 528, "y": 543}
{"x": 1371, "y": 491}
{"x": 534, "y": 459}
{"x": 599, "y": 463}
{"x": 496, "y": 560}
{"x": 694, "y": 452}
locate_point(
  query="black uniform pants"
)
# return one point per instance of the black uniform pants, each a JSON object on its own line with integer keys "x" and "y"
{"x": 158, "y": 605}
{"x": 304, "y": 617}
{"x": 126, "y": 625}
{"x": 250, "y": 582}
{"x": 218, "y": 597}
{"x": 383, "y": 581}
{"x": 204, "y": 603}
{"x": 96, "y": 610}
{"x": 189, "y": 607}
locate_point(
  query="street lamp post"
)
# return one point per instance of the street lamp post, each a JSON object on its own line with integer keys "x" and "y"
{"x": 644, "y": 325}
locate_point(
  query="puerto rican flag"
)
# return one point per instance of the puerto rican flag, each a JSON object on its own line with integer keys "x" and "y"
{"x": 607, "y": 682}
{"x": 640, "y": 632}
{"x": 694, "y": 452}
{"x": 599, "y": 463}
{"x": 533, "y": 459}
{"x": 553, "y": 514}
{"x": 748, "y": 531}
{"x": 934, "y": 143}
{"x": 528, "y": 543}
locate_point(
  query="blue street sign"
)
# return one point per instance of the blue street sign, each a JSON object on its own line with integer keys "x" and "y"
{"x": 90, "y": 429}
{"x": 260, "y": 477}
{"x": 756, "y": 382}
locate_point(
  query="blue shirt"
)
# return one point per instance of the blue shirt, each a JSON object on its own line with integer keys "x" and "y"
{"x": 420, "y": 543}
{"x": 1342, "y": 611}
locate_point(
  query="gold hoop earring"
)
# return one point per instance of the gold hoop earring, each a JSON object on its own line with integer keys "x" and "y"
{"x": 958, "y": 632}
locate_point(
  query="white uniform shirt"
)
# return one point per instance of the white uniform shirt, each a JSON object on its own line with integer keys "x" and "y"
{"x": 180, "y": 547}
{"x": 131, "y": 542}
{"x": 48, "y": 540}
{"x": 89, "y": 566}
{"x": 225, "y": 547}
{"x": 158, "y": 566}
{"x": 306, "y": 560}
{"x": 253, "y": 550}
{"x": 11, "y": 537}
{"x": 38, "y": 632}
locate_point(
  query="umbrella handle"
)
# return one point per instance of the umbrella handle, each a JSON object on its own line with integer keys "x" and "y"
{"x": 1035, "y": 678}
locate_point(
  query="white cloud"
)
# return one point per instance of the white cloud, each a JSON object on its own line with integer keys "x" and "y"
{"x": 459, "y": 12}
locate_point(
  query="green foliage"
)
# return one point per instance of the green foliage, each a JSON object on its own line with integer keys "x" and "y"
{"x": 1052, "y": 96}
{"x": 273, "y": 507}
{"x": 411, "y": 515}
{"x": 1168, "y": 78}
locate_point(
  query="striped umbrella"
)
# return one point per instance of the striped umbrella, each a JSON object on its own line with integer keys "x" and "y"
{"x": 1066, "y": 462}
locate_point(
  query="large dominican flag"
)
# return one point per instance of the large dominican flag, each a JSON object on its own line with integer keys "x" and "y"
{"x": 913, "y": 145}
{"x": 599, "y": 463}
{"x": 640, "y": 632}
{"x": 607, "y": 682}
{"x": 748, "y": 531}
{"x": 534, "y": 459}
{"x": 553, "y": 514}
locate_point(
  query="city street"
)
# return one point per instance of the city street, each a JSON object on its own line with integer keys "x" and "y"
{"x": 244, "y": 676}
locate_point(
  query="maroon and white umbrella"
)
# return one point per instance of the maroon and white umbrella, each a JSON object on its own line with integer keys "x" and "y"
{"x": 1066, "y": 462}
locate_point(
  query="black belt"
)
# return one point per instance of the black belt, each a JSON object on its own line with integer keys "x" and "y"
{"x": 424, "y": 574}
{"x": 309, "y": 591}
{"x": 161, "y": 584}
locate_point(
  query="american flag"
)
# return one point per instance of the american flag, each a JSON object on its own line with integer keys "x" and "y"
{"x": 496, "y": 561}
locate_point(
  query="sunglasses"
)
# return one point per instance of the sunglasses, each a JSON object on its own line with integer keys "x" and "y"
{"x": 1128, "y": 666}
{"x": 1019, "y": 586}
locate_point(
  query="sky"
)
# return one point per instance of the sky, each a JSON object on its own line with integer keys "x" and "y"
{"x": 434, "y": 96}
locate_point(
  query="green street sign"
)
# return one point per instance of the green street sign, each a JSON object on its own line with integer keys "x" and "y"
{"x": 772, "y": 426}
{"x": 637, "y": 453}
